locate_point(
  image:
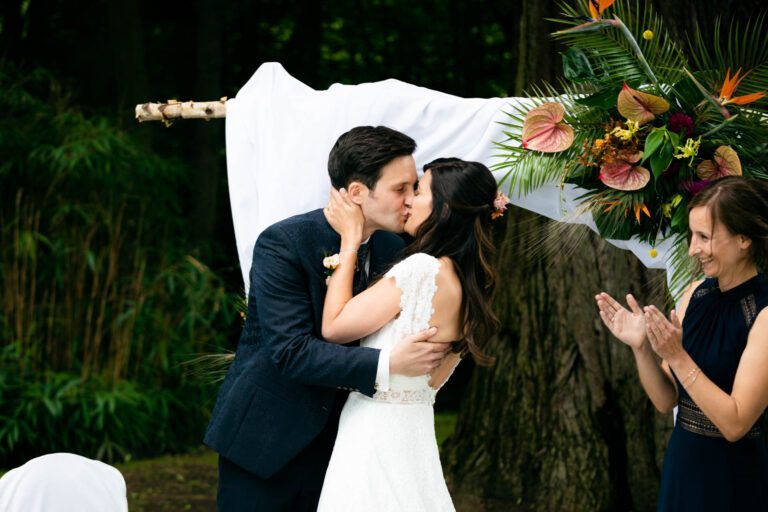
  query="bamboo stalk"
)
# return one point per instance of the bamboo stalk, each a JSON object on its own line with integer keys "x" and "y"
{"x": 174, "y": 109}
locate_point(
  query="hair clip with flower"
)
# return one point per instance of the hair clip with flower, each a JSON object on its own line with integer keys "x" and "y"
{"x": 499, "y": 205}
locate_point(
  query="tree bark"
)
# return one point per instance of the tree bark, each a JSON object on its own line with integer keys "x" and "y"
{"x": 181, "y": 110}
{"x": 208, "y": 168}
{"x": 560, "y": 422}
{"x": 129, "y": 68}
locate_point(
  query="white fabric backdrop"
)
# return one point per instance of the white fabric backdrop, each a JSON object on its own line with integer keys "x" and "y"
{"x": 279, "y": 133}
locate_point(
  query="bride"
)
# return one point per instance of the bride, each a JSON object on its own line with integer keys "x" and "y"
{"x": 386, "y": 456}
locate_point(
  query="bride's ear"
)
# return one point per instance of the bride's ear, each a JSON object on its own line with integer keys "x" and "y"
{"x": 357, "y": 192}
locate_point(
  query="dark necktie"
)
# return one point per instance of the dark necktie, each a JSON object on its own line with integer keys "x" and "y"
{"x": 361, "y": 276}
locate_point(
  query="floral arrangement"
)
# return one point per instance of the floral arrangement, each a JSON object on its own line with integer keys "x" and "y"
{"x": 640, "y": 123}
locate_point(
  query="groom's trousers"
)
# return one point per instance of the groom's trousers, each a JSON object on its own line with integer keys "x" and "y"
{"x": 295, "y": 487}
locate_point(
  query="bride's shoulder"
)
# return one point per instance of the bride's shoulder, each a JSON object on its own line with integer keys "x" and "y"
{"x": 419, "y": 260}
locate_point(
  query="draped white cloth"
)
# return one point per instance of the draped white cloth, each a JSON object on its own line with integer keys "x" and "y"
{"x": 279, "y": 132}
{"x": 63, "y": 482}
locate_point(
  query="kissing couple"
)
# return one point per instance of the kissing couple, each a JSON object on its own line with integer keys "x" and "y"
{"x": 310, "y": 418}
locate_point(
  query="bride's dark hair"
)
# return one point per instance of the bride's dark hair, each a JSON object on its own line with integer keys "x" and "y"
{"x": 459, "y": 227}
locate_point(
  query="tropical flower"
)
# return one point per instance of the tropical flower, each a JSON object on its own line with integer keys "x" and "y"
{"x": 543, "y": 129}
{"x": 729, "y": 87}
{"x": 640, "y": 106}
{"x": 725, "y": 163}
{"x": 690, "y": 150}
{"x": 653, "y": 253}
{"x": 596, "y": 7}
{"x": 666, "y": 208}
{"x": 626, "y": 134}
{"x": 679, "y": 122}
{"x": 499, "y": 205}
{"x": 623, "y": 174}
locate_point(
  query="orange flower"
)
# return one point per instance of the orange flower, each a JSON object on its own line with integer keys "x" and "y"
{"x": 729, "y": 87}
{"x": 640, "y": 207}
{"x": 596, "y": 7}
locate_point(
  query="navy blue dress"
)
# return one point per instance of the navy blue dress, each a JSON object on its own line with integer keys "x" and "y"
{"x": 702, "y": 470}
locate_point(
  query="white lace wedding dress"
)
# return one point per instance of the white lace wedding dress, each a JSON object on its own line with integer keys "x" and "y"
{"x": 385, "y": 457}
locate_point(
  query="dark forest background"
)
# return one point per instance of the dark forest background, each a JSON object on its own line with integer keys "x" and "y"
{"x": 118, "y": 260}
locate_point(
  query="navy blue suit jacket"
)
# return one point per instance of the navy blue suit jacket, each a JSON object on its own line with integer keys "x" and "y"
{"x": 280, "y": 389}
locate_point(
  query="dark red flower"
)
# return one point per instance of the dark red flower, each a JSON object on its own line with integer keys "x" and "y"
{"x": 679, "y": 122}
{"x": 673, "y": 169}
{"x": 694, "y": 187}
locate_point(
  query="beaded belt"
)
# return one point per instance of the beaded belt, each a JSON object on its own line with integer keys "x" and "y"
{"x": 693, "y": 419}
{"x": 406, "y": 396}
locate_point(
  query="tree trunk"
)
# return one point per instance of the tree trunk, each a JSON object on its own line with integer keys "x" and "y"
{"x": 561, "y": 421}
{"x": 129, "y": 68}
{"x": 208, "y": 168}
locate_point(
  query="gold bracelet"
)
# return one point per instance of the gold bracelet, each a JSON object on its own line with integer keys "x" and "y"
{"x": 695, "y": 373}
{"x": 694, "y": 379}
{"x": 682, "y": 381}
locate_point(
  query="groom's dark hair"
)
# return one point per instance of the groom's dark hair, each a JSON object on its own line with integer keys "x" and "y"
{"x": 360, "y": 154}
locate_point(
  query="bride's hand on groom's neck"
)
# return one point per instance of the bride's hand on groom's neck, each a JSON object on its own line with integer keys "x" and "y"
{"x": 345, "y": 217}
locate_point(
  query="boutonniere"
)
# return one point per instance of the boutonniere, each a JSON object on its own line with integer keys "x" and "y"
{"x": 330, "y": 263}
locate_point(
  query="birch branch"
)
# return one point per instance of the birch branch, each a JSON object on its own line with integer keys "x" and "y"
{"x": 168, "y": 112}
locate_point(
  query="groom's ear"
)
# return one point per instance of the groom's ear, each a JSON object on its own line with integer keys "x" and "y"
{"x": 357, "y": 192}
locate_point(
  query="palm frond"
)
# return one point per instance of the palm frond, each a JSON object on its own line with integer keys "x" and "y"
{"x": 744, "y": 46}
{"x": 613, "y": 57}
{"x": 681, "y": 267}
{"x": 527, "y": 170}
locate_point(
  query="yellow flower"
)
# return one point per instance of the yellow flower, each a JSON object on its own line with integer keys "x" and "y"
{"x": 653, "y": 253}
{"x": 666, "y": 208}
{"x": 648, "y": 35}
{"x": 690, "y": 150}
{"x": 626, "y": 134}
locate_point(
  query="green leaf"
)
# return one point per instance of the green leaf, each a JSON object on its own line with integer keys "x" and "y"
{"x": 661, "y": 160}
{"x": 576, "y": 66}
{"x": 680, "y": 217}
{"x": 652, "y": 143}
{"x": 605, "y": 99}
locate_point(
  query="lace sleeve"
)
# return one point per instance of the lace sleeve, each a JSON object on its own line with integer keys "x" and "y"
{"x": 415, "y": 276}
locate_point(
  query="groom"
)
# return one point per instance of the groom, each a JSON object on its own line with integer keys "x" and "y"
{"x": 277, "y": 413}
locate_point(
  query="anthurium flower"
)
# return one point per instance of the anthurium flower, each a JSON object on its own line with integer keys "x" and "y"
{"x": 543, "y": 129}
{"x": 729, "y": 87}
{"x": 725, "y": 163}
{"x": 640, "y": 106}
{"x": 623, "y": 174}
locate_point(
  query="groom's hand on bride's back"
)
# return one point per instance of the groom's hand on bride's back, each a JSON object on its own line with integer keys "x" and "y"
{"x": 416, "y": 355}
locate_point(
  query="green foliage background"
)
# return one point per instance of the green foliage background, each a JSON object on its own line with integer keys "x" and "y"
{"x": 101, "y": 297}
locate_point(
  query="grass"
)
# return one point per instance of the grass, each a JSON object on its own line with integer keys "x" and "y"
{"x": 188, "y": 482}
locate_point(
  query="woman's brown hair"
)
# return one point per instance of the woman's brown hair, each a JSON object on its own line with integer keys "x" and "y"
{"x": 459, "y": 227}
{"x": 741, "y": 204}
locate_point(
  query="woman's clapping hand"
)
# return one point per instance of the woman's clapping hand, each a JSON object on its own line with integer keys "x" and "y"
{"x": 665, "y": 336}
{"x": 628, "y": 325}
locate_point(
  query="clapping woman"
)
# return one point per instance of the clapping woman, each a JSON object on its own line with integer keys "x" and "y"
{"x": 714, "y": 354}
